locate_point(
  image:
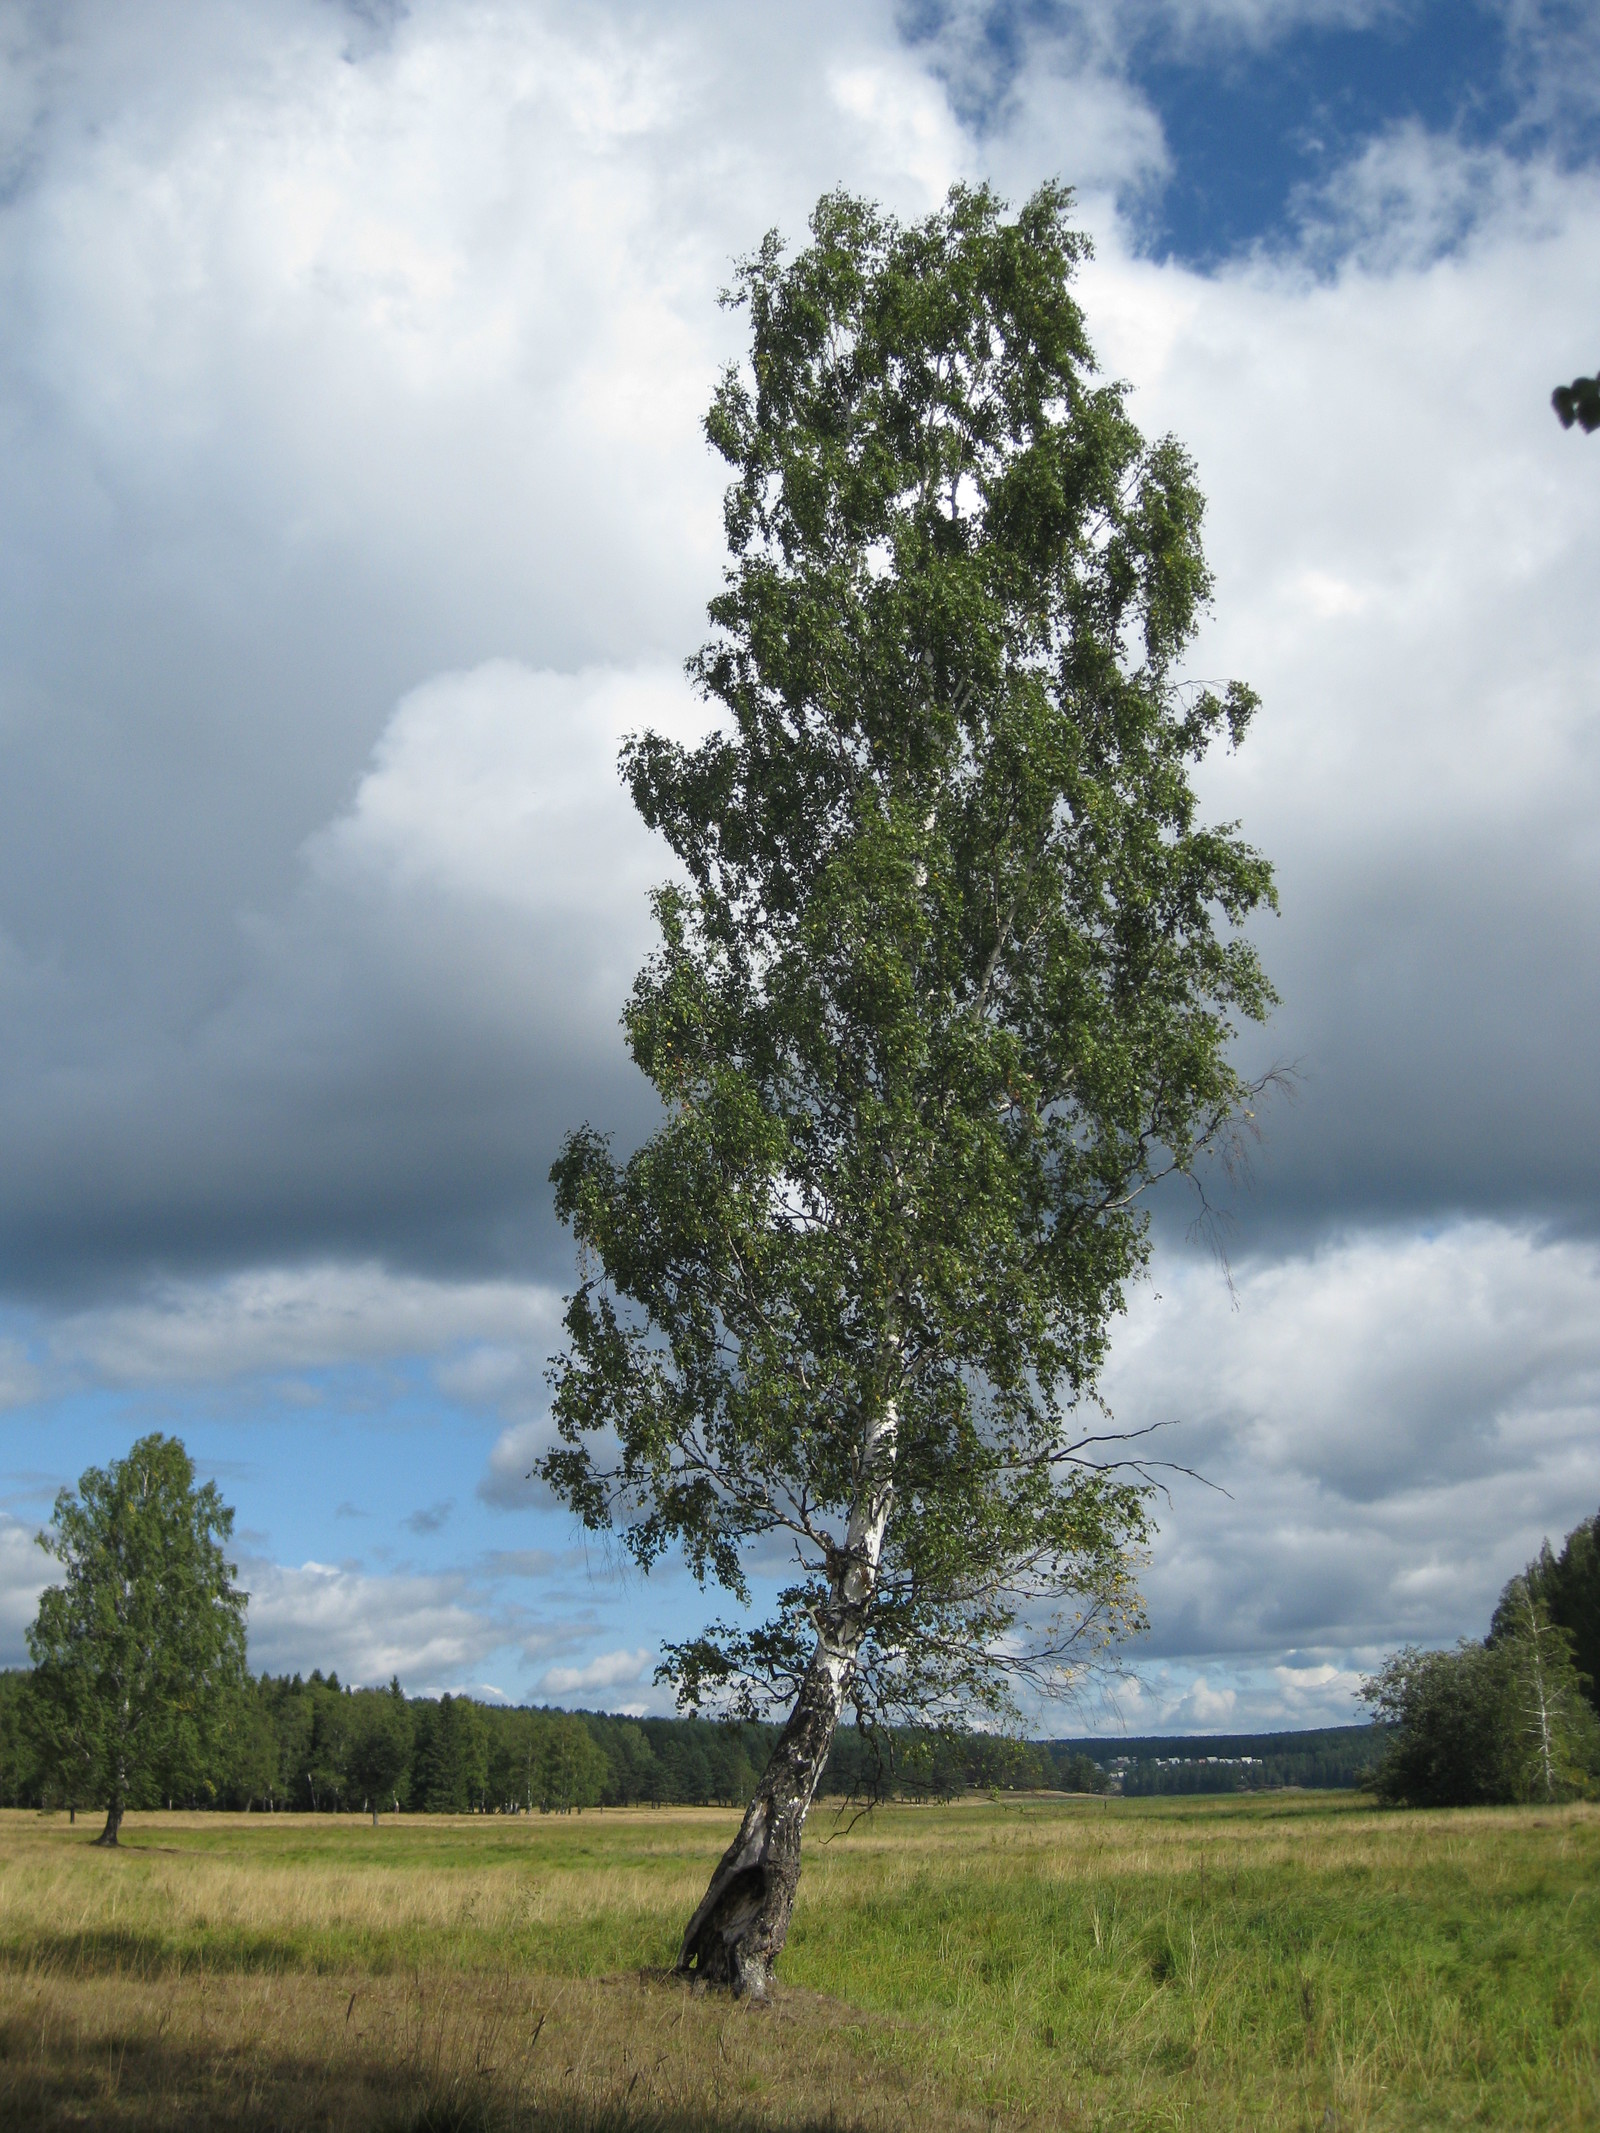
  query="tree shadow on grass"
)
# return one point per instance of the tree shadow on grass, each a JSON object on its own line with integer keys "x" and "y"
{"x": 139, "y": 1952}
{"x": 139, "y": 2091}
{"x": 462, "y": 2054}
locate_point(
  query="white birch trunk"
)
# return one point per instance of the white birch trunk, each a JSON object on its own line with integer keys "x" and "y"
{"x": 738, "y": 1932}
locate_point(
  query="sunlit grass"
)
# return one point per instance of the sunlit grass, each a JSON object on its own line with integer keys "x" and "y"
{"x": 1297, "y": 1960}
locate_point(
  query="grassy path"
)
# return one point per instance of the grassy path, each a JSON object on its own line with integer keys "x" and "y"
{"x": 1297, "y": 1960}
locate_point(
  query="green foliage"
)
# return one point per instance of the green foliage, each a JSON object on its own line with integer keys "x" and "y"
{"x": 452, "y": 1756}
{"x": 327, "y": 1762}
{"x": 571, "y": 1771}
{"x": 1578, "y": 402}
{"x": 1551, "y": 1731}
{"x": 293, "y": 1704}
{"x": 1513, "y": 1718}
{"x": 1486, "y": 1724}
{"x": 139, "y": 1653}
{"x": 1077, "y": 1772}
{"x": 22, "y": 1778}
{"x": 636, "y": 1775}
{"x": 1330, "y": 1758}
{"x": 951, "y": 977}
{"x": 263, "y": 1759}
{"x": 1567, "y": 1587}
{"x": 379, "y": 1754}
{"x": 1446, "y": 1710}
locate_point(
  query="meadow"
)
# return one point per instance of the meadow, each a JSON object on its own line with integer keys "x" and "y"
{"x": 1288, "y": 1960}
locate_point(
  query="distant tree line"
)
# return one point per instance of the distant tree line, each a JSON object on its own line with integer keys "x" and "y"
{"x": 1329, "y": 1759}
{"x": 139, "y": 1696}
{"x": 1513, "y": 1717}
{"x": 296, "y": 1745}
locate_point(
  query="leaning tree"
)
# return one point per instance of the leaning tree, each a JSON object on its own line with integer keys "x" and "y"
{"x": 947, "y": 980}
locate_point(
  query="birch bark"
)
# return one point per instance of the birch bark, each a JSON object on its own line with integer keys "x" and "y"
{"x": 738, "y": 1931}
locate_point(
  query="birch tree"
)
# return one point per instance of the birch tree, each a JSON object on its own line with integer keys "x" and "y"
{"x": 139, "y": 1654}
{"x": 947, "y": 981}
{"x": 1549, "y": 1718}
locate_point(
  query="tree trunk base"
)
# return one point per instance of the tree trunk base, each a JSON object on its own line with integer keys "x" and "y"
{"x": 107, "y": 1838}
{"x": 738, "y": 1932}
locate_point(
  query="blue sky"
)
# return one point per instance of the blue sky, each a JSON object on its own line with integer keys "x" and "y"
{"x": 1252, "y": 128}
{"x": 351, "y": 368}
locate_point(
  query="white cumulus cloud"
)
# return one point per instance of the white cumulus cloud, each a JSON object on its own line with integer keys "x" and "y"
{"x": 611, "y": 1670}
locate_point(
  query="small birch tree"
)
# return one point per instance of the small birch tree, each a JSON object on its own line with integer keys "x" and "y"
{"x": 948, "y": 981}
{"x": 1555, "y": 1740}
{"x": 139, "y": 1654}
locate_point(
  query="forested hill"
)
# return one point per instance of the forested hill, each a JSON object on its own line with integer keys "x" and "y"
{"x": 1329, "y": 1757}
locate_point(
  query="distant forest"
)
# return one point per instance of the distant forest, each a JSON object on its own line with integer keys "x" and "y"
{"x": 1332, "y": 1759}
{"x": 296, "y": 1745}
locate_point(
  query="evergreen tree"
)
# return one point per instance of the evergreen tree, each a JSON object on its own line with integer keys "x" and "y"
{"x": 1567, "y": 1587}
{"x": 571, "y": 1772}
{"x": 379, "y": 1754}
{"x": 453, "y": 1757}
{"x": 635, "y": 1773}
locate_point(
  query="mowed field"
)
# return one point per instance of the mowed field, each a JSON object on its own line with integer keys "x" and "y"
{"x": 1297, "y": 1960}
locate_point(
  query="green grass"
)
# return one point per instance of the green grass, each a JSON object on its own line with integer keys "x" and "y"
{"x": 1294, "y": 1960}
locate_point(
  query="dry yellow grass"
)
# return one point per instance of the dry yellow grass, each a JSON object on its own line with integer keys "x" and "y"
{"x": 448, "y": 2052}
{"x": 1297, "y": 1961}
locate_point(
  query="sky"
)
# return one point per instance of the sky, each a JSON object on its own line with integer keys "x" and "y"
{"x": 352, "y": 364}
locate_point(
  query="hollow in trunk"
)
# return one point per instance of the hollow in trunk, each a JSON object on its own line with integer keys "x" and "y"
{"x": 738, "y": 1932}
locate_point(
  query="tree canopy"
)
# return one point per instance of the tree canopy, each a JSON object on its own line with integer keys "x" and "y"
{"x": 948, "y": 978}
{"x": 1512, "y": 1717}
{"x": 1578, "y": 403}
{"x": 139, "y": 1651}
{"x": 1567, "y": 1587}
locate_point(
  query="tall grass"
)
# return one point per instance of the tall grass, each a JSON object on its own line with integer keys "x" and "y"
{"x": 1296, "y": 1961}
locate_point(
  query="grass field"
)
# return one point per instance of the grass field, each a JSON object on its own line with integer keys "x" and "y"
{"x": 1297, "y": 1960}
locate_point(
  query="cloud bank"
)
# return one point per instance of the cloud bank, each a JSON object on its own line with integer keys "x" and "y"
{"x": 351, "y": 370}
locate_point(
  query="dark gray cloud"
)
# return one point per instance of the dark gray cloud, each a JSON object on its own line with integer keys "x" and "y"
{"x": 318, "y": 386}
